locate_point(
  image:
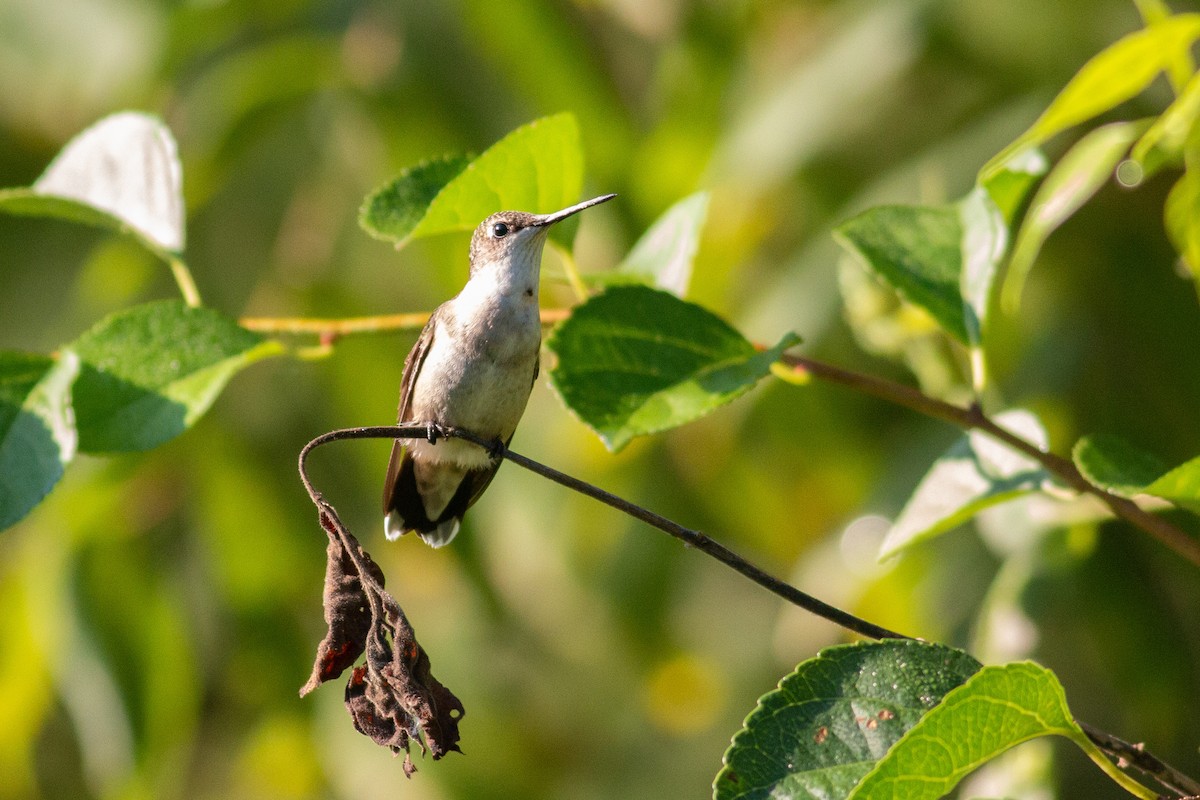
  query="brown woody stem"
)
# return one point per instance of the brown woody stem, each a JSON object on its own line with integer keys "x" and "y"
{"x": 972, "y": 417}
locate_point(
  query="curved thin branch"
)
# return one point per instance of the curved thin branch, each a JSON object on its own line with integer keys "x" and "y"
{"x": 973, "y": 418}
{"x": 688, "y": 536}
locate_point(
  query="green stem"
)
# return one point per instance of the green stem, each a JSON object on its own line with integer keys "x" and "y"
{"x": 1110, "y": 769}
{"x": 571, "y": 271}
{"x": 183, "y": 278}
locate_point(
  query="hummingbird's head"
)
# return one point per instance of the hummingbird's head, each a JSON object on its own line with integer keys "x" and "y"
{"x": 515, "y": 238}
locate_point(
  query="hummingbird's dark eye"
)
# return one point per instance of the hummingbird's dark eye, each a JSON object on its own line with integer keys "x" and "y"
{"x": 499, "y": 230}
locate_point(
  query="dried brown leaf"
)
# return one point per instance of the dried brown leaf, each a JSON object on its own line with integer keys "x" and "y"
{"x": 393, "y": 698}
{"x": 347, "y": 607}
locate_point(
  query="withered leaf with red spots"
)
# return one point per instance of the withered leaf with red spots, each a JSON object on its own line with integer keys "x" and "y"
{"x": 347, "y": 609}
{"x": 393, "y": 698}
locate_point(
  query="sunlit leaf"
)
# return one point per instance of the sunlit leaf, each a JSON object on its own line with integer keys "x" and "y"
{"x": 1163, "y": 143}
{"x": 1077, "y": 176}
{"x": 536, "y": 168}
{"x": 997, "y": 708}
{"x": 975, "y": 473}
{"x": 635, "y": 360}
{"x": 395, "y": 209}
{"x": 122, "y": 173}
{"x": 1116, "y": 74}
{"x": 1121, "y": 468}
{"x": 832, "y": 719}
{"x": 663, "y": 255}
{"x": 149, "y": 372}
{"x": 37, "y": 429}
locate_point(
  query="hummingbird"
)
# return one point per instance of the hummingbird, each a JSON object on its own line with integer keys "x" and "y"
{"x": 472, "y": 367}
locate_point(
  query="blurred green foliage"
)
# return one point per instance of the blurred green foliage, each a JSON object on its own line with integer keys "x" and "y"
{"x": 158, "y": 612}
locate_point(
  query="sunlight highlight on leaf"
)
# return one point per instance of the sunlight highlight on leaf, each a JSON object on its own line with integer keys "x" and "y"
{"x": 998, "y": 708}
{"x": 536, "y": 168}
{"x": 832, "y": 719}
{"x": 37, "y": 429}
{"x": 121, "y": 173}
{"x": 1118, "y": 73}
{"x": 1121, "y": 468}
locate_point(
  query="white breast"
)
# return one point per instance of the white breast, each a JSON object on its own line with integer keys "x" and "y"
{"x": 479, "y": 369}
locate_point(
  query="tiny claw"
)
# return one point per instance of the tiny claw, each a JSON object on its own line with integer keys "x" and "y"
{"x": 433, "y": 432}
{"x": 496, "y": 449}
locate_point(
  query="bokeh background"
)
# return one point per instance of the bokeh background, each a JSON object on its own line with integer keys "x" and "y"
{"x": 159, "y": 612}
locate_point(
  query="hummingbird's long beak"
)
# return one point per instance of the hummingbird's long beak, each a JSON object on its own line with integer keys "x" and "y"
{"x": 541, "y": 220}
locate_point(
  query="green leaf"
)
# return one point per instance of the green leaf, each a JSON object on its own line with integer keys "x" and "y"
{"x": 635, "y": 360}
{"x": 1163, "y": 143}
{"x": 122, "y": 173}
{"x": 1181, "y": 218}
{"x": 941, "y": 258}
{"x": 1010, "y": 183}
{"x": 1116, "y": 74}
{"x": 997, "y": 708}
{"x": 149, "y": 372}
{"x": 663, "y": 255}
{"x": 828, "y": 723}
{"x": 536, "y": 168}
{"x": 975, "y": 473}
{"x": 1077, "y": 176}
{"x": 1116, "y": 466}
{"x": 916, "y": 250}
{"x": 395, "y": 209}
{"x": 37, "y": 429}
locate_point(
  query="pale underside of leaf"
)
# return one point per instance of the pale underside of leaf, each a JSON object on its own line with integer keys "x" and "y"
{"x": 663, "y": 255}
{"x": 977, "y": 472}
{"x": 126, "y": 166}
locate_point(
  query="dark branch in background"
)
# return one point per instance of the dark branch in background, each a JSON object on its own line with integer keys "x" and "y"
{"x": 1126, "y": 754}
{"x": 974, "y": 418}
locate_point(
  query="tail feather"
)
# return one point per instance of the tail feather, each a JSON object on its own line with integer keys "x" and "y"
{"x": 404, "y": 508}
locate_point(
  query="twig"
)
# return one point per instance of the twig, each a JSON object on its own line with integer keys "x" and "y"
{"x": 183, "y": 279}
{"x": 1136, "y": 755}
{"x": 973, "y": 418}
{"x": 330, "y": 329}
{"x": 334, "y": 328}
